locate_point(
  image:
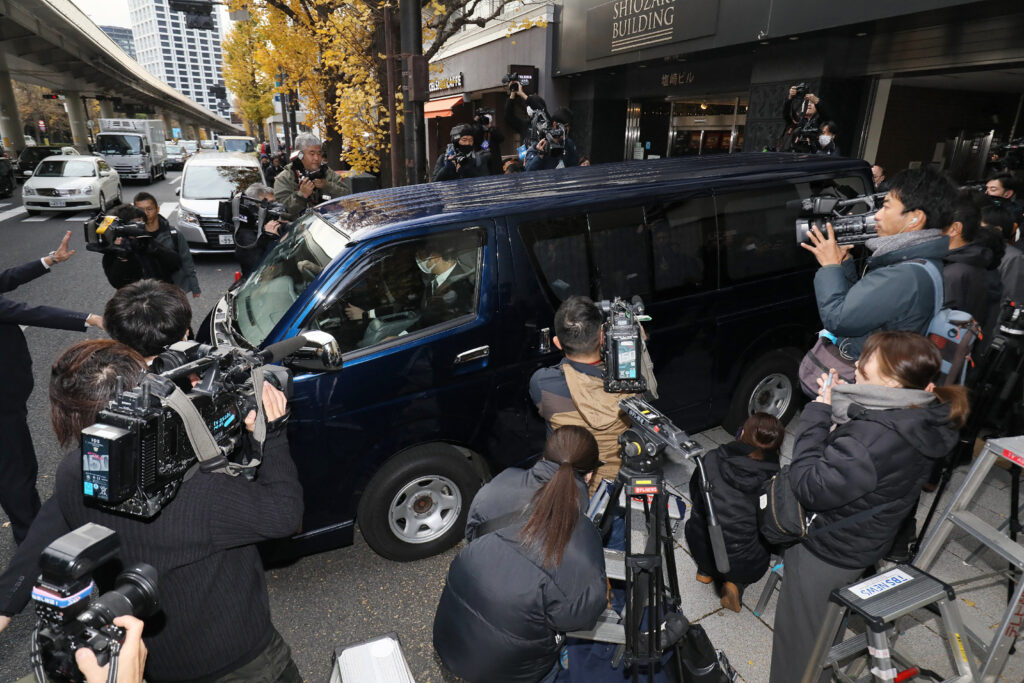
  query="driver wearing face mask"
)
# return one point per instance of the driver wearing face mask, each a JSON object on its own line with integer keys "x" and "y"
{"x": 827, "y": 140}
{"x": 462, "y": 159}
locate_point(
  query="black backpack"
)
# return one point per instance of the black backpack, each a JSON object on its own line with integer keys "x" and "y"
{"x": 782, "y": 520}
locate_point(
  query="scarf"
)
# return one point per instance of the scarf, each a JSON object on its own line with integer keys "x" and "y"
{"x": 874, "y": 397}
{"x": 879, "y": 246}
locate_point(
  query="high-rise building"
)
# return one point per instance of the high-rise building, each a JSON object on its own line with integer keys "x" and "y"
{"x": 188, "y": 60}
{"x": 124, "y": 38}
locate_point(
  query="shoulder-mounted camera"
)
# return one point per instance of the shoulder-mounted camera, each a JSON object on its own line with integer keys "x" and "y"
{"x": 102, "y": 232}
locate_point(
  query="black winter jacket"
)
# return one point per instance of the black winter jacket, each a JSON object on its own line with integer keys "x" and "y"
{"x": 736, "y": 482}
{"x": 501, "y": 611}
{"x": 878, "y": 460}
{"x": 966, "y": 281}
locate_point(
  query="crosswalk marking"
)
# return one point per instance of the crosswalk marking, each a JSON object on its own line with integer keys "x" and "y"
{"x": 3, "y": 204}
{"x": 168, "y": 208}
{"x": 73, "y": 218}
{"x": 11, "y": 213}
{"x": 175, "y": 181}
{"x": 36, "y": 219}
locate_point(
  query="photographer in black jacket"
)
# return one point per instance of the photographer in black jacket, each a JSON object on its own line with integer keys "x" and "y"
{"x": 251, "y": 244}
{"x": 215, "y": 619}
{"x": 162, "y": 233}
{"x": 462, "y": 159}
{"x": 144, "y": 256}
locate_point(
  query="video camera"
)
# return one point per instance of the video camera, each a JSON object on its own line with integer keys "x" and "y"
{"x": 69, "y": 616}
{"x": 801, "y": 90}
{"x": 542, "y": 126}
{"x": 511, "y": 80}
{"x": 650, "y": 436}
{"x": 849, "y": 228}
{"x": 136, "y": 455}
{"x": 101, "y": 233}
{"x": 483, "y": 117}
{"x": 245, "y": 212}
{"x": 623, "y": 345}
{"x": 805, "y": 139}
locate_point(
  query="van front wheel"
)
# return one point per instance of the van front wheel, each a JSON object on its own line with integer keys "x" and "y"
{"x": 770, "y": 385}
{"x": 417, "y": 504}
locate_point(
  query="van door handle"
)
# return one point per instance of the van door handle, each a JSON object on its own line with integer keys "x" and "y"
{"x": 473, "y": 354}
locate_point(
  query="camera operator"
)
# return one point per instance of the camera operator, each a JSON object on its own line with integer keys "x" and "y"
{"x": 18, "y": 466}
{"x": 148, "y": 316}
{"x": 1004, "y": 186}
{"x": 252, "y": 245}
{"x": 878, "y": 178}
{"x": 462, "y": 159}
{"x": 572, "y": 392}
{"x": 307, "y": 180}
{"x": 215, "y": 623}
{"x": 970, "y": 279}
{"x": 162, "y": 233}
{"x": 516, "y": 102}
{"x": 891, "y": 294}
{"x": 138, "y": 257}
{"x": 490, "y": 141}
{"x": 554, "y": 148}
{"x": 525, "y": 577}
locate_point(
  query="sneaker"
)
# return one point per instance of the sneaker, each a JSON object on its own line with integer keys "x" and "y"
{"x": 731, "y": 596}
{"x": 704, "y": 579}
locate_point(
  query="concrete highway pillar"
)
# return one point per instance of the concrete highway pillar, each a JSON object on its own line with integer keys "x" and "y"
{"x": 10, "y": 118}
{"x": 106, "y": 109}
{"x": 78, "y": 118}
{"x": 195, "y": 131}
{"x": 168, "y": 124}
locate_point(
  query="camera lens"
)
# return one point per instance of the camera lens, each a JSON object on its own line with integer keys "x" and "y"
{"x": 136, "y": 594}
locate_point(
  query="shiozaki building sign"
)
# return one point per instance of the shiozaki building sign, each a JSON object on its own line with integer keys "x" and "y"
{"x": 628, "y": 25}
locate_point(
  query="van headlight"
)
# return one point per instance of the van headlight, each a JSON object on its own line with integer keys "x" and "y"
{"x": 188, "y": 219}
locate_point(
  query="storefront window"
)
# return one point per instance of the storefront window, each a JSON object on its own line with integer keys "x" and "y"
{"x": 699, "y": 127}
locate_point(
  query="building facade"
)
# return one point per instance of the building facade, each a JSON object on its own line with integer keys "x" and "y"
{"x": 188, "y": 60}
{"x": 124, "y": 38}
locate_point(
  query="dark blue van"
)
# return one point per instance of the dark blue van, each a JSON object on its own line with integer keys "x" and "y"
{"x": 442, "y": 297}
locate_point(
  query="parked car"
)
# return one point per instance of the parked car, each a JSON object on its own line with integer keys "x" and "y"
{"x": 237, "y": 143}
{"x": 425, "y": 410}
{"x": 207, "y": 180}
{"x": 177, "y": 155}
{"x": 191, "y": 146}
{"x": 71, "y": 183}
{"x": 208, "y": 145}
{"x": 31, "y": 156}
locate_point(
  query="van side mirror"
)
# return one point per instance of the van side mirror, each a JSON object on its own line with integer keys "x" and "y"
{"x": 321, "y": 352}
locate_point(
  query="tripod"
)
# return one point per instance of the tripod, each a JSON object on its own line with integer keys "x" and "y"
{"x": 998, "y": 395}
{"x": 645, "y": 572}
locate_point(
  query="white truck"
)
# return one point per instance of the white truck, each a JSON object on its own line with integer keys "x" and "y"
{"x": 134, "y": 147}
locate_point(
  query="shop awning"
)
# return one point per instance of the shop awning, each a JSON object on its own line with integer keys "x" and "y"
{"x": 441, "y": 107}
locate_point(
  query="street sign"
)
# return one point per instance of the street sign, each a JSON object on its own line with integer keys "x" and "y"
{"x": 42, "y": 125}
{"x": 176, "y": 133}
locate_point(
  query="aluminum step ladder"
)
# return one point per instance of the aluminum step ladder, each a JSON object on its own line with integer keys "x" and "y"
{"x": 774, "y": 577}
{"x": 995, "y": 650}
{"x": 880, "y": 601}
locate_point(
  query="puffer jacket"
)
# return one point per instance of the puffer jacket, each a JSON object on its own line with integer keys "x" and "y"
{"x": 891, "y": 295}
{"x": 878, "y": 460}
{"x": 736, "y": 481}
{"x": 965, "y": 278}
{"x": 501, "y": 611}
{"x": 286, "y": 190}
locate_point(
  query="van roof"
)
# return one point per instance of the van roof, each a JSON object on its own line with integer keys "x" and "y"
{"x": 476, "y": 198}
{"x": 223, "y": 159}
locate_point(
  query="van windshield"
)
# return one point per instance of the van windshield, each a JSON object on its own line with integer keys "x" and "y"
{"x": 236, "y": 145}
{"x": 310, "y": 245}
{"x": 108, "y": 143}
{"x": 217, "y": 182}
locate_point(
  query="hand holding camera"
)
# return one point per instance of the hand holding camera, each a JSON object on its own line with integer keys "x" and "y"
{"x": 306, "y": 187}
{"x": 132, "y": 657}
{"x": 825, "y": 247}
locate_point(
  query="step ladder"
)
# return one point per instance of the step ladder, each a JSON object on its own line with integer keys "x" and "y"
{"x": 995, "y": 650}
{"x": 880, "y": 601}
{"x": 774, "y": 577}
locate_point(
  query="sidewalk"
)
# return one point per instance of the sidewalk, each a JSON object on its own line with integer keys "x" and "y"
{"x": 747, "y": 639}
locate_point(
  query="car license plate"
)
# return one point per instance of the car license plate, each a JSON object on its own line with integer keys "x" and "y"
{"x": 58, "y": 202}
{"x": 227, "y": 239}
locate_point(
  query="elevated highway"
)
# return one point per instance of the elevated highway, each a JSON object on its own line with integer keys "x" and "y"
{"x": 54, "y": 44}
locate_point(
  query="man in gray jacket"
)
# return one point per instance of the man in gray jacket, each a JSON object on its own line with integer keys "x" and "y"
{"x": 891, "y": 294}
{"x": 307, "y": 181}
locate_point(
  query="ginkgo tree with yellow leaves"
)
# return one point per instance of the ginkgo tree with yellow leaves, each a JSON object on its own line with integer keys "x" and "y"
{"x": 331, "y": 52}
{"x": 253, "y": 89}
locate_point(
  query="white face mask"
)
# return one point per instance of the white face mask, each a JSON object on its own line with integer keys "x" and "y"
{"x": 529, "y": 110}
{"x": 823, "y": 140}
{"x": 422, "y": 263}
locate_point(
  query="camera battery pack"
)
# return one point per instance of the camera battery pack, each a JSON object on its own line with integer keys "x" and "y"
{"x": 107, "y": 457}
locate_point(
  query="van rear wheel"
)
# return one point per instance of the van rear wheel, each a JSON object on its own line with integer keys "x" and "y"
{"x": 417, "y": 504}
{"x": 770, "y": 385}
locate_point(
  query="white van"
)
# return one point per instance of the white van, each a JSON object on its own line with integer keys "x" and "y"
{"x": 206, "y": 181}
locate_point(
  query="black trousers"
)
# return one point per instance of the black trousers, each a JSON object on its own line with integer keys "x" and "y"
{"x": 18, "y": 470}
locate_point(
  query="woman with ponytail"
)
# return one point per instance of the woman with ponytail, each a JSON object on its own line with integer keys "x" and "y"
{"x": 533, "y": 569}
{"x": 861, "y": 454}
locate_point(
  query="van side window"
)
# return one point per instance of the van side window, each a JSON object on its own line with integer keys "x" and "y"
{"x": 758, "y": 233}
{"x": 558, "y": 247}
{"x": 621, "y": 252}
{"x": 684, "y": 258}
{"x": 405, "y": 288}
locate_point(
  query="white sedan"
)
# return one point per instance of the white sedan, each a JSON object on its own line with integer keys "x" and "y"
{"x": 71, "y": 183}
